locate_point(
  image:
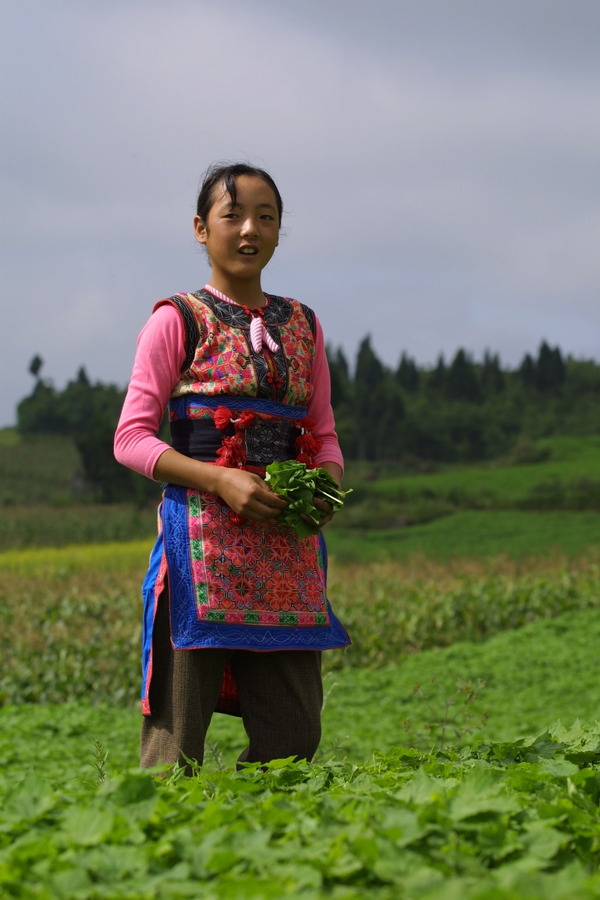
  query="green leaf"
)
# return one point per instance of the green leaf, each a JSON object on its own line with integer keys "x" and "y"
{"x": 88, "y": 826}
{"x": 300, "y": 486}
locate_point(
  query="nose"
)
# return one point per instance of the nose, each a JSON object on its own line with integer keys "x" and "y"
{"x": 249, "y": 227}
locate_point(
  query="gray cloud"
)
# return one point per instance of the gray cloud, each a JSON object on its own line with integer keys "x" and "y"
{"x": 439, "y": 162}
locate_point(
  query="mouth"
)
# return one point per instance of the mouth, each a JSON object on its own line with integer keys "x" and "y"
{"x": 248, "y": 250}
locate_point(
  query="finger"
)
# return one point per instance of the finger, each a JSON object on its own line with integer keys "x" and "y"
{"x": 273, "y": 500}
{"x": 259, "y": 511}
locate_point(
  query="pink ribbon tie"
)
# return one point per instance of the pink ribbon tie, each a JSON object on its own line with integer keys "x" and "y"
{"x": 260, "y": 335}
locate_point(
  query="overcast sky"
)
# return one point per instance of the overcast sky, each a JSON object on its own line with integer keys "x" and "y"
{"x": 438, "y": 160}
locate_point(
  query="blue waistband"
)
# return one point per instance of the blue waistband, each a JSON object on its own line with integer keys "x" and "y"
{"x": 179, "y": 405}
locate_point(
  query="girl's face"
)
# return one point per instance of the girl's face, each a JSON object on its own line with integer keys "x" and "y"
{"x": 240, "y": 239}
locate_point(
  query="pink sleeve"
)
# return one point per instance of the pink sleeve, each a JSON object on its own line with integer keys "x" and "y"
{"x": 319, "y": 407}
{"x": 156, "y": 370}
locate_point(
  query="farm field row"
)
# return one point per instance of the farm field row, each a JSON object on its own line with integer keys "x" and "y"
{"x": 444, "y": 777}
{"x": 460, "y": 757}
{"x": 512, "y": 685}
{"x": 71, "y": 617}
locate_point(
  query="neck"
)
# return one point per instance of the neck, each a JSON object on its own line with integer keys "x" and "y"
{"x": 248, "y": 294}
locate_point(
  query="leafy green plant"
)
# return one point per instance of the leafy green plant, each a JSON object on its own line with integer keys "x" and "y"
{"x": 510, "y": 820}
{"x": 300, "y": 486}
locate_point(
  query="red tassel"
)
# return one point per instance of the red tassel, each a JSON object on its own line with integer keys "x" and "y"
{"x": 222, "y": 417}
{"x": 307, "y": 424}
{"x": 308, "y": 443}
{"x": 244, "y": 420}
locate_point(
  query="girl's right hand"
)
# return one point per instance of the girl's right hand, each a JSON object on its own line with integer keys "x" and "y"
{"x": 247, "y": 494}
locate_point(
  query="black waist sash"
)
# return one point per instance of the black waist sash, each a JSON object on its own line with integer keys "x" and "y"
{"x": 270, "y": 437}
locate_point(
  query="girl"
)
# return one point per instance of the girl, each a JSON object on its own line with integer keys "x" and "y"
{"x": 235, "y": 611}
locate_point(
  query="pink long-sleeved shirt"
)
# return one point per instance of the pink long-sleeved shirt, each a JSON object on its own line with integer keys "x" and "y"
{"x": 157, "y": 369}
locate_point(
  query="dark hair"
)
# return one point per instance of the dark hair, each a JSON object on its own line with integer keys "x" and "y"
{"x": 227, "y": 174}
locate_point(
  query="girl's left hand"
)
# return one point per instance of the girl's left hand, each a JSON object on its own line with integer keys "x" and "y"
{"x": 323, "y": 506}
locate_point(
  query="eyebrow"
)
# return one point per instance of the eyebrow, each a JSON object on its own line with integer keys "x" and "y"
{"x": 259, "y": 205}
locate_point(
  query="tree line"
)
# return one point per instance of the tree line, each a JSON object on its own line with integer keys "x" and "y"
{"x": 460, "y": 410}
{"x": 87, "y": 413}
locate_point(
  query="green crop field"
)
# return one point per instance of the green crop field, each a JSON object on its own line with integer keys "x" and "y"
{"x": 560, "y": 460}
{"x": 508, "y": 533}
{"x": 460, "y": 757}
{"x": 438, "y": 779}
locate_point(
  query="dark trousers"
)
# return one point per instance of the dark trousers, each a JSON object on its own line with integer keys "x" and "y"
{"x": 281, "y": 696}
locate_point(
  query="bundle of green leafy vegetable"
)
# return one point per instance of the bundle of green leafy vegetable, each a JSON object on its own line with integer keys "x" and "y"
{"x": 299, "y": 485}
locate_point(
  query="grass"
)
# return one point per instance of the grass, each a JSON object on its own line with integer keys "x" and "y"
{"x": 514, "y": 509}
{"x": 39, "y": 469}
{"x": 565, "y": 478}
{"x": 472, "y": 533}
{"x": 512, "y": 685}
{"x": 498, "y": 483}
{"x": 111, "y": 558}
{"x": 80, "y": 523}
{"x": 519, "y": 682}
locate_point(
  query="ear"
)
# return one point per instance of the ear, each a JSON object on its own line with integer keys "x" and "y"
{"x": 200, "y": 230}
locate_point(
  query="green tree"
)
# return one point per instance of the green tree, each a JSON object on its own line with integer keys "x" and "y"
{"x": 550, "y": 370}
{"x": 109, "y": 481}
{"x": 526, "y": 372}
{"x": 35, "y": 366}
{"x": 407, "y": 374}
{"x": 437, "y": 378}
{"x": 461, "y": 379}
{"x": 40, "y": 413}
{"x": 492, "y": 376}
{"x": 340, "y": 376}
{"x": 368, "y": 399}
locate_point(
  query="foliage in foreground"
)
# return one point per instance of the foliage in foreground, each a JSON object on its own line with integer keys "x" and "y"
{"x": 498, "y": 822}
{"x": 452, "y": 807}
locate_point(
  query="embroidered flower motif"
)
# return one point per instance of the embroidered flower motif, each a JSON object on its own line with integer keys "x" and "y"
{"x": 222, "y": 568}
